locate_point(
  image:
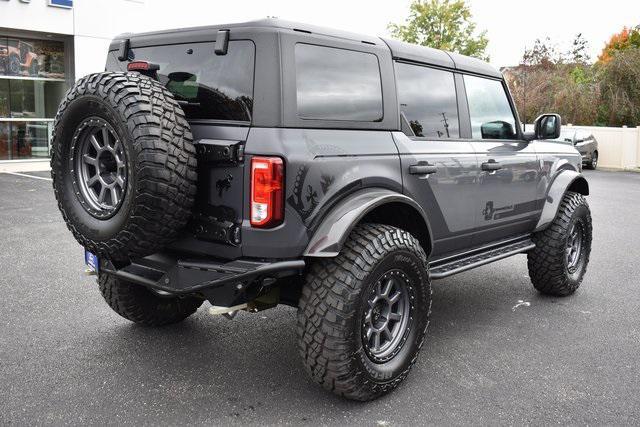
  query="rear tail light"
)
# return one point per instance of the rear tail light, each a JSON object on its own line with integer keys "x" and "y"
{"x": 267, "y": 191}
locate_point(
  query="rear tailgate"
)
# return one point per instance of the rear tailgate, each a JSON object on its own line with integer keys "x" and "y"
{"x": 220, "y": 183}
{"x": 216, "y": 94}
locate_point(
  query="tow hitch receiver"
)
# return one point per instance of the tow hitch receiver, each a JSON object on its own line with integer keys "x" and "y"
{"x": 268, "y": 300}
{"x": 228, "y": 312}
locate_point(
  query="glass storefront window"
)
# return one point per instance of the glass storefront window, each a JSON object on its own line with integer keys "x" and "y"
{"x": 4, "y": 140}
{"x": 33, "y": 81}
{"x": 24, "y": 140}
{"x": 30, "y": 139}
{"x": 31, "y": 58}
{"x": 35, "y": 98}
{"x": 4, "y": 98}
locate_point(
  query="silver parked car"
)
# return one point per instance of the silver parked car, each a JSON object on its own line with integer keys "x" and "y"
{"x": 585, "y": 143}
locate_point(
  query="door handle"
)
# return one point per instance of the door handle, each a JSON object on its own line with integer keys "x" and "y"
{"x": 491, "y": 165}
{"x": 422, "y": 169}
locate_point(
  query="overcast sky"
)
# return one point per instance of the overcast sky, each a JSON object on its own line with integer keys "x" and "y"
{"x": 511, "y": 25}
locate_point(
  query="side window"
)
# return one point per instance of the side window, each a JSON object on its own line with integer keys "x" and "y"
{"x": 427, "y": 99}
{"x": 491, "y": 115}
{"x": 337, "y": 84}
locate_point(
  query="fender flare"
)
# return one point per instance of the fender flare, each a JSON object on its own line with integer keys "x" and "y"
{"x": 333, "y": 231}
{"x": 563, "y": 181}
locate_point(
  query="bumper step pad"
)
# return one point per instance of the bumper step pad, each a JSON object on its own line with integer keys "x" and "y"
{"x": 226, "y": 283}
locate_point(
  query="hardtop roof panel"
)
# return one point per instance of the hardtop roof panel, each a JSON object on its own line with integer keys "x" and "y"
{"x": 263, "y": 24}
{"x": 428, "y": 55}
{"x": 412, "y": 52}
{"x": 401, "y": 50}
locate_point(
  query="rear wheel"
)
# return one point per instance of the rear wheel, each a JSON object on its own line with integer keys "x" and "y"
{"x": 140, "y": 305}
{"x": 559, "y": 261}
{"x": 363, "y": 315}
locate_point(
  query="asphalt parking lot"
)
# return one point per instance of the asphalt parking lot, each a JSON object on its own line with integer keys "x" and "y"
{"x": 66, "y": 358}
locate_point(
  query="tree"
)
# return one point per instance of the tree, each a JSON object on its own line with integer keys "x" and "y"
{"x": 579, "y": 51}
{"x": 442, "y": 24}
{"x": 546, "y": 53}
{"x": 620, "y": 89}
{"x": 606, "y": 93}
{"x": 542, "y": 53}
{"x": 549, "y": 79}
{"x": 625, "y": 39}
{"x": 568, "y": 89}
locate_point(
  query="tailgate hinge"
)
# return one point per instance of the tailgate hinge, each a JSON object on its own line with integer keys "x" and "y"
{"x": 220, "y": 151}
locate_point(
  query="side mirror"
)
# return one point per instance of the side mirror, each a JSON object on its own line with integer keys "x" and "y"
{"x": 547, "y": 126}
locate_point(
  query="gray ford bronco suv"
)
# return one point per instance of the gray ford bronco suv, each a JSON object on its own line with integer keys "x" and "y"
{"x": 271, "y": 162}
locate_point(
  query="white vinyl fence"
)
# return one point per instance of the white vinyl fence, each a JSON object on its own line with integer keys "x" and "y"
{"x": 618, "y": 148}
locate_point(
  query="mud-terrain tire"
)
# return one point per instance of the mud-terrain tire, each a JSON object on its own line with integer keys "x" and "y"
{"x": 559, "y": 261}
{"x": 140, "y": 305}
{"x": 143, "y": 177}
{"x": 337, "y": 310}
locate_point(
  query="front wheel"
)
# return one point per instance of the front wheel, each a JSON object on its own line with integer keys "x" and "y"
{"x": 363, "y": 315}
{"x": 559, "y": 261}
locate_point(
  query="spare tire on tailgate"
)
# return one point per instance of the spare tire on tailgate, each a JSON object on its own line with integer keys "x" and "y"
{"x": 123, "y": 164}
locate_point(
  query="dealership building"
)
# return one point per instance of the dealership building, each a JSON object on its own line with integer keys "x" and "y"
{"x": 45, "y": 45}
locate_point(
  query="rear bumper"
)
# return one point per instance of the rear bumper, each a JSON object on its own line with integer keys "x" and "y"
{"x": 224, "y": 283}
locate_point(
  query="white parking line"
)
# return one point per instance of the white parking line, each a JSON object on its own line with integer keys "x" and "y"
{"x": 28, "y": 176}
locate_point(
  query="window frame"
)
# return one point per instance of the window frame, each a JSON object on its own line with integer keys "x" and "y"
{"x": 379, "y": 119}
{"x": 290, "y": 119}
{"x": 122, "y": 65}
{"x": 464, "y": 115}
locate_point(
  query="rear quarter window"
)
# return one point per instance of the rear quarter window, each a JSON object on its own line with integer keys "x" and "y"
{"x": 207, "y": 86}
{"x": 337, "y": 84}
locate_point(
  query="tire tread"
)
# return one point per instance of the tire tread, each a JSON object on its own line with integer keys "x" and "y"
{"x": 327, "y": 308}
{"x": 546, "y": 261}
{"x": 164, "y": 161}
